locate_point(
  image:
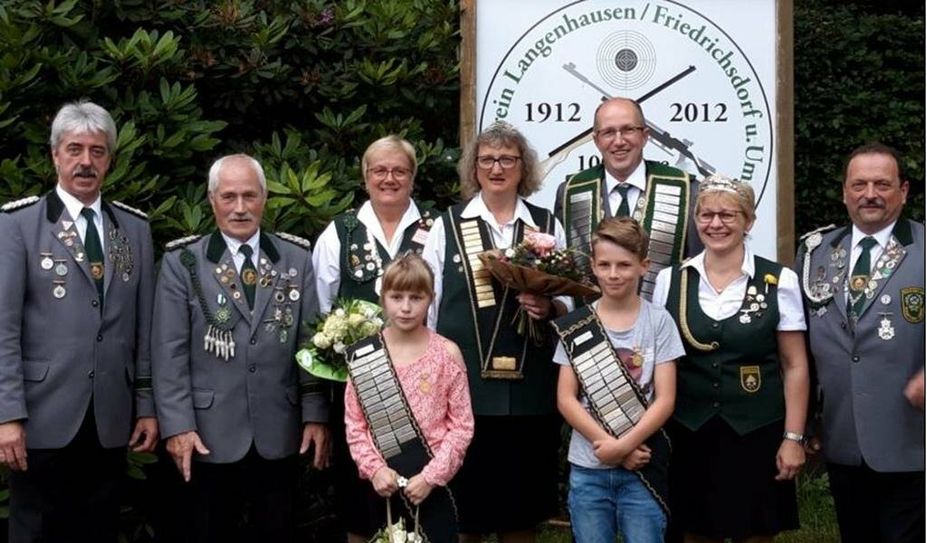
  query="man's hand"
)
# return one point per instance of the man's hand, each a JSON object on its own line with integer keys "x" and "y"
{"x": 181, "y": 447}
{"x": 13, "y": 445}
{"x": 418, "y": 489}
{"x": 316, "y": 434}
{"x": 914, "y": 392}
{"x": 637, "y": 458}
{"x": 145, "y": 435}
{"x": 789, "y": 459}
{"x": 537, "y": 306}
{"x": 610, "y": 450}
{"x": 385, "y": 481}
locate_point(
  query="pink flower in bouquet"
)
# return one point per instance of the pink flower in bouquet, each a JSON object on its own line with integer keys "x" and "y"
{"x": 541, "y": 244}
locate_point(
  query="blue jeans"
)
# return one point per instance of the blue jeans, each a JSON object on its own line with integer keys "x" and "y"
{"x": 603, "y": 501}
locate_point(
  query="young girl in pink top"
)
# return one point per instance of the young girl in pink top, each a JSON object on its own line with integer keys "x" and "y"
{"x": 415, "y": 445}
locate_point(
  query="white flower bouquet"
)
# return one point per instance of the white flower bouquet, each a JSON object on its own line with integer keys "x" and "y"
{"x": 348, "y": 322}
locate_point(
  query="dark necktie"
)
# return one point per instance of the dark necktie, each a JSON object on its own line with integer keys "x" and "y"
{"x": 860, "y": 279}
{"x": 624, "y": 209}
{"x": 94, "y": 250}
{"x": 248, "y": 274}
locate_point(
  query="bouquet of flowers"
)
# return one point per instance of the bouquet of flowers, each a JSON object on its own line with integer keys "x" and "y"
{"x": 348, "y": 322}
{"x": 536, "y": 266}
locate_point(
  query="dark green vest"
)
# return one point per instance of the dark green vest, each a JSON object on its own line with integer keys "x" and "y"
{"x": 487, "y": 332}
{"x": 731, "y": 368}
{"x": 359, "y": 271}
{"x": 662, "y": 210}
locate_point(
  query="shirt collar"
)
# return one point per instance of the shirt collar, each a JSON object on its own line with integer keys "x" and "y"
{"x": 698, "y": 262}
{"x": 477, "y": 208}
{"x": 638, "y": 178}
{"x": 368, "y": 216}
{"x": 74, "y": 206}
{"x": 882, "y": 236}
{"x": 234, "y": 244}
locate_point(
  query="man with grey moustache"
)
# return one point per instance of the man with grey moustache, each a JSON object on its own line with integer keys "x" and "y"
{"x": 77, "y": 283}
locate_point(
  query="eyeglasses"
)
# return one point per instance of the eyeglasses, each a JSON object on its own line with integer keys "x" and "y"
{"x": 399, "y": 174}
{"x": 505, "y": 161}
{"x": 727, "y": 216}
{"x": 608, "y": 134}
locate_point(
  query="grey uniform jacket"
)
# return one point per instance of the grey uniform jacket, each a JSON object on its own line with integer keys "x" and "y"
{"x": 862, "y": 374}
{"x": 58, "y": 350}
{"x": 258, "y": 395}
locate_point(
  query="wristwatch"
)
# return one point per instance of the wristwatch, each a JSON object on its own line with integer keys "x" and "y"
{"x": 792, "y": 436}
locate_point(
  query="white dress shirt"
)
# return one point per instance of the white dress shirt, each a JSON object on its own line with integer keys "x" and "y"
{"x": 502, "y": 235}
{"x": 74, "y": 207}
{"x": 238, "y": 257}
{"x": 728, "y": 302}
{"x": 326, "y": 255}
{"x": 638, "y": 182}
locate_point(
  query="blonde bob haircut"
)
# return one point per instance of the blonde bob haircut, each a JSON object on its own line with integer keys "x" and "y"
{"x": 624, "y": 232}
{"x": 408, "y": 272}
{"x": 738, "y": 192}
{"x": 499, "y": 134}
{"x": 392, "y": 143}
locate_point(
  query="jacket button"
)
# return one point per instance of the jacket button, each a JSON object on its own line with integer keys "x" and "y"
{"x": 94, "y": 303}
{"x": 716, "y": 385}
{"x": 855, "y": 358}
{"x": 714, "y": 365}
{"x": 100, "y": 337}
{"x": 716, "y": 404}
{"x": 90, "y": 375}
{"x": 715, "y": 325}
{"x": 252, "y": 368}
{"x": 253, "y": 341}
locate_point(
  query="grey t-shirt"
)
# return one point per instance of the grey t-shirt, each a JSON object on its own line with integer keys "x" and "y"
{"x": 655, "y": 337}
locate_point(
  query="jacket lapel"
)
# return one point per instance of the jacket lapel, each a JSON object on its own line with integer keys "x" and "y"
{"x": 110, "y": 230}
{"x": 264, "y": 290}
{"x": 839, "y": 262}
{"x": 225, "y": 273}
{"x": 888, "y": 262}
{"x": 64, "y": 230}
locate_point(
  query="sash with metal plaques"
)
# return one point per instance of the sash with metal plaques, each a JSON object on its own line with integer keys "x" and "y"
{"x": 493, "y": 325}
{"x": 663, "y": 211}
{"x": 396, "y": 434}
{"x": 616, "y": 400}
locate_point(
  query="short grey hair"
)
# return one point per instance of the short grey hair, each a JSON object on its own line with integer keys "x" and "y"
{"x": 216, "y": 167}
{"x": 83, "y": 117}
{"x": 500, "y": 134}
{"x": 392, "y": 143}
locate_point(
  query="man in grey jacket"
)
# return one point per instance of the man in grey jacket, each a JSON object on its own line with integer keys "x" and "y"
{"x": 76, "y": 284}
{"x": 233, "y": 404}
{"x": 863, "y": 286}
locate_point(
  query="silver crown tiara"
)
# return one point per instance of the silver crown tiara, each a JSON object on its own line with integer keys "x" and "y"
{"x": 719, "y": 183}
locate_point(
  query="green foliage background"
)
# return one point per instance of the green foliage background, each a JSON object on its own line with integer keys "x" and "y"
{"x": 306, "y": 85}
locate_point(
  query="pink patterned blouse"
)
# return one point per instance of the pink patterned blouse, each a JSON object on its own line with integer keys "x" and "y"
{"x": 436, "y": 389}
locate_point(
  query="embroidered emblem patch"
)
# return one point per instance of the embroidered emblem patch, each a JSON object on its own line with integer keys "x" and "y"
{"x": 912, "y": 304}
{"x": 750, "y": 378}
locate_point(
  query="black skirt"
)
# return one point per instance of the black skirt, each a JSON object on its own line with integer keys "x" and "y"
{"x": 508, "y": 480}
{"x": 723, "y": 484}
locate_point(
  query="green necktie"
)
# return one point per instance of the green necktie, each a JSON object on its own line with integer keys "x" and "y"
{"x": 624, "y": 210}
{"x": 94, "y": 250}
{"x": 248, "y": 274}
{"x": 859, "y": 279}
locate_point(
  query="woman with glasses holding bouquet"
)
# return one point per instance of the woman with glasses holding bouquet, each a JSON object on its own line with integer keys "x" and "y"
{"x": 742, "y": 387}
{"x": 349, "y": 259}
{"x": 508, "y": 482}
